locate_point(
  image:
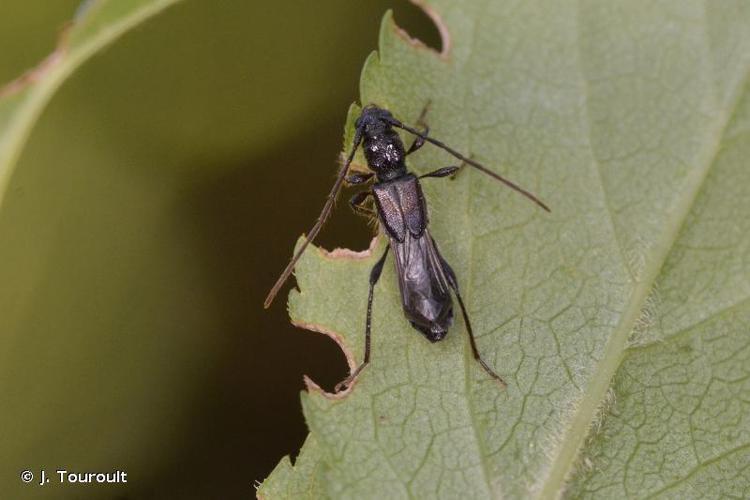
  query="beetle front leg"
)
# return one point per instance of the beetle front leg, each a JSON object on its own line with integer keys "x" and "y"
{"x": 419, "y": 141}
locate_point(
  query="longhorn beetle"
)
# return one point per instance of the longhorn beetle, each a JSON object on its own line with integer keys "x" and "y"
{"x": 424, "y": 277}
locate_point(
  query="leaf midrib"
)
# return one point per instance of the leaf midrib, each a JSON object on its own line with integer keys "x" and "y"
{"x": 615, "y": 350}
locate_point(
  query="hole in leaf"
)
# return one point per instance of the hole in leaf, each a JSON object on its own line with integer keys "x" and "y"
{"x": 419, "y": 25}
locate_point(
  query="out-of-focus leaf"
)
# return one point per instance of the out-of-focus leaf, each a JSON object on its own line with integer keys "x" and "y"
{"x": 620, "y": 321}
{"x": 95, "y": 26}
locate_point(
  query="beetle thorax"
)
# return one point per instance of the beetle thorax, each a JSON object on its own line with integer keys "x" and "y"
{"x": 385, "y": 154}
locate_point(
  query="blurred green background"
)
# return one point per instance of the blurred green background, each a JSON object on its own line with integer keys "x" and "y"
{"x": 156, "y": 201}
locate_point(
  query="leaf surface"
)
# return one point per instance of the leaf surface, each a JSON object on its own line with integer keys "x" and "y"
{"x": 620, "y": 321}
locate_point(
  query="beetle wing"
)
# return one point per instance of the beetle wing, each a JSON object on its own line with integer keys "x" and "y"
{"x": 401, "y": 207}
{"x": 424, "y": 287}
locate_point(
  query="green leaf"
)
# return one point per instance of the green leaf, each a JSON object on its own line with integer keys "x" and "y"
{"x": 620, "y": 321}
{"x": 22, "y": 101}
{"x": 300, "y": 481}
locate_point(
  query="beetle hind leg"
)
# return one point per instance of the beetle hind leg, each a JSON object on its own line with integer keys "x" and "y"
{"x": 475, "y": 352}
{"x": 473, "y": 343}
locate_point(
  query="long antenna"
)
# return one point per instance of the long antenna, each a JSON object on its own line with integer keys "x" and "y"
{"x": 471, "y": 162}
{"x": 318, "y": 224}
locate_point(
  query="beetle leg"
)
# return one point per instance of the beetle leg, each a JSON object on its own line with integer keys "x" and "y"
{"x": 419, "y": 141}
{"x": 374, "y": 277}
{"x": 458, "y": 170}
{"x": 454, "y": 284}
{"x": 474, "y": 350}
{"x": 441, "y": 172}
{"x": 356, "y": 202}
{"x": 355, "y": 179}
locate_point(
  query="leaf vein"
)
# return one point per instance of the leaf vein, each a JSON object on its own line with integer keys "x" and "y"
{"x": 615, "y": 348}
